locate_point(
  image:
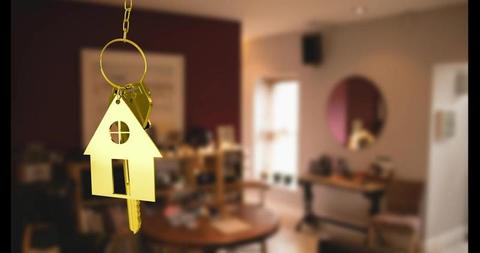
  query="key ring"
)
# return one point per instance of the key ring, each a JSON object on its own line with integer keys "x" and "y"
{"x": 119, "y": 86}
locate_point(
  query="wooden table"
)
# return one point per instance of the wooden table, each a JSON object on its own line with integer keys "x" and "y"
{"x": 155, "y": 228}
{"x": 373, "y": 191}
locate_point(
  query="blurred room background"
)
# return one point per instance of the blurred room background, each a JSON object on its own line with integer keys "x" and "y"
{"x": 285, "y": 126}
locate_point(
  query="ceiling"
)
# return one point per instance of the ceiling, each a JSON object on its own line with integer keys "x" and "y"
{"x": 266, "y": 17}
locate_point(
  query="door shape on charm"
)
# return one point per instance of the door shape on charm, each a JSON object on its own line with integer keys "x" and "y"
{"x": 121, "y": 137}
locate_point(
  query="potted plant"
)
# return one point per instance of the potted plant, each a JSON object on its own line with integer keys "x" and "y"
{"x": 277, "y": 177}
{"x": 287, "y": 179}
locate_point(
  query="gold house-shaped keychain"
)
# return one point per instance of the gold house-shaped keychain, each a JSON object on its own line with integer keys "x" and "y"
{"x": 121, "y": 136}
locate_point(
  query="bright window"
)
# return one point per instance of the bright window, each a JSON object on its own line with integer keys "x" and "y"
{"x": 276, "y": 130}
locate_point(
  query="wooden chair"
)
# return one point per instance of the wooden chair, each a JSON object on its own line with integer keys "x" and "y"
{"x": 112, "y": 226}
{"x": 402, "y": 213}
{"x": 332, "y": 245}
{"x": 258, "y": 186}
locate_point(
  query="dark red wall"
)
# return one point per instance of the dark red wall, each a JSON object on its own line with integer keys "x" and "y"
{"x": 46, "y": 42}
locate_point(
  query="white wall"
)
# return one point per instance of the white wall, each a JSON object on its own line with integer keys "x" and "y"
{"x": 397, "y": 53}
{"x": 448, "y": 163}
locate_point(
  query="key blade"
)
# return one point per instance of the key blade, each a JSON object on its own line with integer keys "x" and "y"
{"x": 134, "y": 221}
{"x": 133, "y": 206}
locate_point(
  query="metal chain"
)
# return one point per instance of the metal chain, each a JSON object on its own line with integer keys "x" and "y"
{"x": 126, "y": 17}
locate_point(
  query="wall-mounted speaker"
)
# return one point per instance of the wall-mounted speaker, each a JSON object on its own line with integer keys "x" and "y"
{"x": 312, "y": 49}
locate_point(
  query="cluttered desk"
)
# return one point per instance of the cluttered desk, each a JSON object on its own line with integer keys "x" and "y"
{"x": 244, "y": 225}
{"x": 202, "y": 212}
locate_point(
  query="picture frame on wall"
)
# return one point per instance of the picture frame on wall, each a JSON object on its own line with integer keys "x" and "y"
{"x": 444, "y": 124}
{"x": 226, "y": 136}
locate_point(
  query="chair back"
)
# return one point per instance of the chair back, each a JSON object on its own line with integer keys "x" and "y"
{"x": 404, "y": 197}
{"x": 260, "y": 187}
{"x": 334, "y": 245}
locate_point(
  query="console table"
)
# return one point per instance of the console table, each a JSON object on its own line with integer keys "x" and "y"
{"x": 373, "y": 191}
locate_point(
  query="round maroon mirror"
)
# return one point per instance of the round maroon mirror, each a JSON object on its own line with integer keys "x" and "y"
{"x": 356, "y": 112}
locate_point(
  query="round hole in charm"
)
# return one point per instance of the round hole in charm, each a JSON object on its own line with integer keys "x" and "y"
{"x": 119, "y": 132}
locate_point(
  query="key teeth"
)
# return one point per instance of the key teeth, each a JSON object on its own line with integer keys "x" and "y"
{"x": 135, "y": 230}
{"x": 134, "y": 214}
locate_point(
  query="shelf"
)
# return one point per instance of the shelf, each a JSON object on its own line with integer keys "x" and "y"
{"x": 212, "y": 168}
{"x": 169, "y": 192}
{"x": 228, "y": 186}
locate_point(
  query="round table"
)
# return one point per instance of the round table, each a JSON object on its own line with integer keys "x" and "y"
{"x": 205, "y": 237}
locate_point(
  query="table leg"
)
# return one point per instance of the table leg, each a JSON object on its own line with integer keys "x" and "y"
{"x": 264, "y": 246}
{"x": 308, "y": 217}
{"x": 375, "y": 198}
{"x": 210, "y": 250}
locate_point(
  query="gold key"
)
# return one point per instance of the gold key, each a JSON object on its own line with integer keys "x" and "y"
{"x": 133, "y": 205}
{"x": 138, "y": 99}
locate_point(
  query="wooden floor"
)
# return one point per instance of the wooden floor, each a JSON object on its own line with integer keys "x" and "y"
{"x": 461, "y": 248}
{"x": 288, "y": 240}
{"x": 291, "y": 241}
